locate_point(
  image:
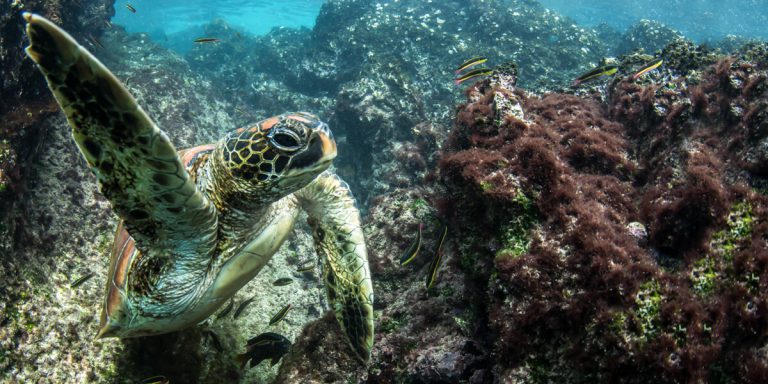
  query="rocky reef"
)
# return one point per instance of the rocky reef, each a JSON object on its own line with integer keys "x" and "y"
{"x": 619, "y": 241}
{"x": 610, "y": 233}
{"x": 379, "y": 69}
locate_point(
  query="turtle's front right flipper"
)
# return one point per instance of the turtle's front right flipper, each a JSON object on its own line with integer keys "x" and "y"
{"x": 134, "y": 162}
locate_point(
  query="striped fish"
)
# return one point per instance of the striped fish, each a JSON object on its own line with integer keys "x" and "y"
{"x": 650, "y": 67}
{"x": 605, "y": 70}
{"x": 432, "y": 275}
{"x": 413, "y": 249}
{"x": 242, "y": 306}
{"x": 282, "y": 281}
{"x": 81, "y": 280}
{"x": 472, "y": 74}
{"x": 280, "y": 315}
{"x": 470, "y": 63}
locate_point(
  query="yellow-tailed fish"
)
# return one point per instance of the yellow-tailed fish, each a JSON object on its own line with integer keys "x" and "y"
{"x": 605, "y": 70}
{"x": 242, "y": 306}
{"x": 81, "y": 280}
{"x": 227, "y": 309}
{"x": 471, "y": 63}
{"x": 413, "y": 249}
{"x": 306, "y": 268}
{"x": 160, "y": 379}
{"x": 472, "y": 74}
{"x": 282, "y": 281}
{"x": 130, "y": 7}
{"x": 432, "y": 274}
{"x": 206, "y": 40}
{"x": 280, "y": 315}
{"x": 650, "y": 67}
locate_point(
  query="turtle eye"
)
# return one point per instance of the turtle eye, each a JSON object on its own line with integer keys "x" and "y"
{"x": 286, "y": 141}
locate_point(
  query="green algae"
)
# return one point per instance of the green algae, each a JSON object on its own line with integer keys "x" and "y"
{"x": 515, "y": 234}
{"x": 738, "y": 228}
{"x": 393, "y": 323}
{"x": 648, "y": 301}
{"x": 704, "y": 276}
{"x": 419, "y": 204}
{"x": 725, "y": 243}
{"x": 465, "y": 320}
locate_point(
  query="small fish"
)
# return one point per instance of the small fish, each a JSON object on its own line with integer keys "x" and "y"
{"x": 81, "y": 280}
{"x": 472, "y": 74}
{"x": 108, "y": 23}
{"x": 227, "y": 309}
{"x": 413, "y": 249}
{"x": 282, "y": 281}
{"x": 214, "y": 340}
{"x": 206, "y": 40}
{"x": 280, "y": 315}
{"x": 436, "y": 261}
{"x": 306, "y": 268}
{"x": 265, "y": 346}
{"x": 130, "y": 7}
{"x": 470, "y": 63}
{"x": 242, "y": 307}
{"x": 605, "y": 70}
{"x": 649, "y": 67}
{"x": 159, "y": 379}
{"x": 95, "y": 41}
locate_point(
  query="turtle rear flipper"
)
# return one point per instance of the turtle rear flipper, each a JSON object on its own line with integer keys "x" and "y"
{"x": 135, "y": 164}
{"x": 338, "y": 236}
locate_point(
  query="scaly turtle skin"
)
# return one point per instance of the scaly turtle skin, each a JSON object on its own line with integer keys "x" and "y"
{"x": 198, "y": 225}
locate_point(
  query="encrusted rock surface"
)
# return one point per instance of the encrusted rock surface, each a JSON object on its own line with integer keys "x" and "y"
{"x": 375, "y": 70}
{"x": 610, "y": 233}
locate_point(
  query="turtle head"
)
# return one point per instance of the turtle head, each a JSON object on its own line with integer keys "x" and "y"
{"x": 278, "y": 155}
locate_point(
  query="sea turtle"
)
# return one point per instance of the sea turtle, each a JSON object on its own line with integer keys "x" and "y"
{"x": 199, "y": 224}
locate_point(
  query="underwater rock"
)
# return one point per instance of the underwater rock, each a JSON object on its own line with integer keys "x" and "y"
{"x": 614, "y": 235}
{"x": 575, "y": 292}
{"x": 647, "y": 35}
{"x": 379, "y": 69}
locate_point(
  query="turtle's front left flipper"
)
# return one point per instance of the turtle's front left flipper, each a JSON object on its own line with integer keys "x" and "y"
{"x": 335, "y": 221}
{"x": 134, "y": 162}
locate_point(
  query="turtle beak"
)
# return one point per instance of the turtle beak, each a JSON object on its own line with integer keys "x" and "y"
{"x": 328, "y": 145}
{"x": 318, "y": 154}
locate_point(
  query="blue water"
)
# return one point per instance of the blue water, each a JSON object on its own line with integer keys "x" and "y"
{"x": 700, "y": 20}
{"x": 175, "y": 23}
{"x": 169, "y": 20}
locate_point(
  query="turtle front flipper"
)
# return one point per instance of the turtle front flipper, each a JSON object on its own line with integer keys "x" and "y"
{"x": 135, "y": 164}
{"x": 338, "y": 236}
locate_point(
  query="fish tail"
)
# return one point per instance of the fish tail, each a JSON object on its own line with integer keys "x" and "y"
{"x": 242, "y": 360}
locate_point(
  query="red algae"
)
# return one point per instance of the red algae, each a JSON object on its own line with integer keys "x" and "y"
{"x": 587, "y": 299}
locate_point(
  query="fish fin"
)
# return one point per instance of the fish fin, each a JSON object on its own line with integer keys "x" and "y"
{"x": 242, "y": 359}
{"x": 338, "y": 236}
{"x": 136, "y": 166}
